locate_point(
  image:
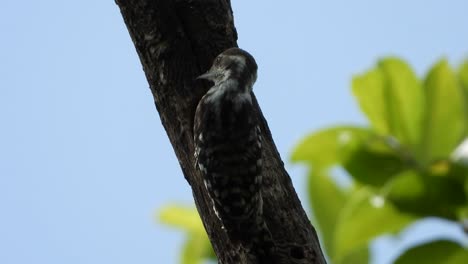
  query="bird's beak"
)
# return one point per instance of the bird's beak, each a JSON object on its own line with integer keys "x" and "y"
{"x": 209, "y": 75}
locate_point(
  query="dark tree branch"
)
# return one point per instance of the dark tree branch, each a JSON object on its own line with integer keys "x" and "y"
{"x": 176, "y": 41}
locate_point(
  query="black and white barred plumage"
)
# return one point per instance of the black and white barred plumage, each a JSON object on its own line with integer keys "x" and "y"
{"x": 228, "y": 149}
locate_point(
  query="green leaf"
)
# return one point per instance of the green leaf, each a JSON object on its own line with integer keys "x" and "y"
{"x": 405, "y": 100}
{"x": 197, "y": 247}
{"x": 370, "y": 91}
{"x": 358, "y": 256}
{"x": 463, "y": 77}
{"x": 196, "y": 250}
{"x": 182, "y": 217}
{"x": 455, "y": 169}
{"x": 426, "y": 195}
{"x": 324, "y": 148}
{"x": 372, "y": 166}
{"x": 444, "y": 124}
{"x": 365, "y": 216}
{"x": 440, "y": 252}
{"x": 392, "y": 98}
{"x": 466, "y": 188}
{"x": 463, "y": 74}
{"x": 327, "y": 200}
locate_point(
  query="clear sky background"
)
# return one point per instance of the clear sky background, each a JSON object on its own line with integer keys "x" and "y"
{"x": 84, "y": 160}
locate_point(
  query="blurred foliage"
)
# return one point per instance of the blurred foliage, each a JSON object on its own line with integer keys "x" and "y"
{"x": 409, "y": 164}
{"x": 440, "y": 252}
{"x": 197, "y": 247}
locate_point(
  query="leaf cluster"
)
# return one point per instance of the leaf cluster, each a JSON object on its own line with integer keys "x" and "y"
{"x": 409, "y": 164}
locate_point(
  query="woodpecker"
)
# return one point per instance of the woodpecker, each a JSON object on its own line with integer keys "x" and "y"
{"x": 228, "y": 151}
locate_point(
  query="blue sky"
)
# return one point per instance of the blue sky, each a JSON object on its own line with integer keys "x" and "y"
{"x": 84, "y": 160}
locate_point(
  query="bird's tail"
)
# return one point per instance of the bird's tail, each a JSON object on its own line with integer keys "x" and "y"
{"x": 255, "y": 237}
{"x": 262, "y": 244}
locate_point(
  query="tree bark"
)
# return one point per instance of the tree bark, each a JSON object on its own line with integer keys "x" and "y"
{"x": 176, "y": 41}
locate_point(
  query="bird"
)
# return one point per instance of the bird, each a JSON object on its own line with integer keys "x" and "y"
{"x": 228, "y": 151}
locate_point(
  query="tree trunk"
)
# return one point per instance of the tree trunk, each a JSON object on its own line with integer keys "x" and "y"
{"x": 176, "y": 41}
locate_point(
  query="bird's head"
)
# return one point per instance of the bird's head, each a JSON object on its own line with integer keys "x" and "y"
{"x": 233, "y": 64}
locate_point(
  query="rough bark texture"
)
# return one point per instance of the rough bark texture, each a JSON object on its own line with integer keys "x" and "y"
{"x": 176, "y": 41}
